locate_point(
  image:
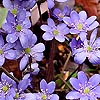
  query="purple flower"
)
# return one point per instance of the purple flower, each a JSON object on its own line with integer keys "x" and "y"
{"x": 60, "y": 14}
{"x": 89, "y": 49}
{"x": 6, "y": 51}
{"x": 12, "y": 6}
{"x": 75, "y": 44}
{"x": 85, "y": 89}
{"x": 27, "y": 4}
{"x": 16, "y": 5}
{"x": 46, "y": 91}
{"x": 18, "y": 93}
{"x": 30, "y": 96}
{"x": 80, "y": 24}
{"x": 34, "y": 69}
{"x": 30, "y": 50}
{"x": 6, "y": 84}
{"x": 17, "y": 27}
{"x": 52, "y": 31}
{"x": 50, "y": 3}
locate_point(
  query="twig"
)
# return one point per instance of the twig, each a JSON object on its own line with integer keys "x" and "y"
{"x": 66, "y": 62}
{"x": 78, "y": 68}
{"x": 8, "y": 74}
{"x": 66, "y": 83}
{"x": 74, "y": 71}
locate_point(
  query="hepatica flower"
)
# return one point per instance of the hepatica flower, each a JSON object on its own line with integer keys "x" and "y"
{"x": 17, "y": 93}
{"x": 6, "y": 84}
{"x": 52, "y": 31}
{"x": 75, "y": 44}
{"x": 27, "y": 4}
{"x": 50, "y": 3}
{"x": 57, "y": 13}
{"x": 89, "y": 49}
{"x": 46, "y": 91}
{"x": 17, "y": 27}
{"x": 12, "y": 6}
{"x": 34, "y": 69}
{"x": 80, "y": 24}
{"x": 30, "y": 49}
{"x": 83, "y": 88}
{"x": 6, "y": 51}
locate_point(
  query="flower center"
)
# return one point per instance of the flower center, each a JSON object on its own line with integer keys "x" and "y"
{"x": 79, "y": 26}
{"x": 18, "y": 28}
{"x": 60, "y": 15}
{"x": 1, "y": 51}
{"x": 89, "y": 48}
{"x": 16, "y": 96}
{"x": 55, "y": 32}
{"x": 14, "y": 11}
{"x": 86, "y": 90}
{"x": 27, "y": 50}
{"x": 44, "y": 97}
{"x": 5, "y": 88}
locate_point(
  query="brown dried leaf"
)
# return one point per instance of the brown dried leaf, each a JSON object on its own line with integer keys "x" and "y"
{"x": 12, "y": 66}
{"x": 90, "y": 6}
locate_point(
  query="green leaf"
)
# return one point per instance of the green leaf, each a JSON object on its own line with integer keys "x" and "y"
{"x": 90, "y": 70}
{"x": 74, "y": 75}
{"x": 3, "y": 14}
{"x": 59, "y": 82}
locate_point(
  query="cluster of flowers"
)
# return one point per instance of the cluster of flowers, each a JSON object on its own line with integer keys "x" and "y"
{"x": 20, "y": 43}
{"x": 82, "y": 48}
{"x": 20, "y": 39}
{"x": 84, "y": 89}
{"x": 9, "y": 90}
{"x": 74, "y": 23}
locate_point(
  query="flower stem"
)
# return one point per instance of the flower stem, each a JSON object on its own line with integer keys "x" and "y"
{"x": 30, "y": 61}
